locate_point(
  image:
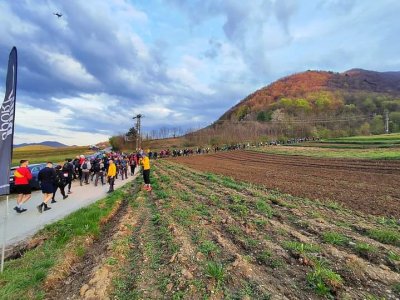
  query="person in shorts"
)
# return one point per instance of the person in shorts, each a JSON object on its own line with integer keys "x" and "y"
{"x": 47, "y": 178}
{"x": 22, "y": 177}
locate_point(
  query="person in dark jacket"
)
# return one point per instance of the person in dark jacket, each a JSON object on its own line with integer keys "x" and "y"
{"x": 47, "y": 179}
{"x": 68, "y": 170}
{"x": 99, "y": 169}
{"x": 60, "y": 183}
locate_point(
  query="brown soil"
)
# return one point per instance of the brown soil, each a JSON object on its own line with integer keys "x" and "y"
{"x": 362, "y": 185}
{"x": 243, "y": 240}
{"x": 90, "y": 277}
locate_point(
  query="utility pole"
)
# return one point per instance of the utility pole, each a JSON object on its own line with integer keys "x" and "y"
{"x": 138, "y": 131}
{"x": 386, "y": 121}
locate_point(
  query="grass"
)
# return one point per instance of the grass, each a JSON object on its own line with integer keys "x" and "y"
{"x": 380, "y": 147}
{"x": 215, "y": 271}
{"x": 25, "y": 276}
{"x": 323, "y": 280}
{"x": 264, "y": 208}
{"x": 393, "y": 256}
{"x": 396, "y": 289}
{"x": 55, "y": 155}
{"x": 365, "y": 249}
{"x": 335, "y": 238}
{"x": 392, "y": 138}
{"x": 209, "y": 248}
{"x": 301, "y": 248}
{"x": 385, "y": 236}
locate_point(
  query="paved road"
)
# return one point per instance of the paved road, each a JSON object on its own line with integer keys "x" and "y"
{"x": 22, "y": 226}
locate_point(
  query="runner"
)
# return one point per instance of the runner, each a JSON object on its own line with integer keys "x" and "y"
{"x": 47, "y": 179}
{"x": 22, "y": 176}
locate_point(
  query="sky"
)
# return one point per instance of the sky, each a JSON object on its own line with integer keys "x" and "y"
{"x": 180, "y": 63}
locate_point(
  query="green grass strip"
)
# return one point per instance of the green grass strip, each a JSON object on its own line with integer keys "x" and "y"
{"x": 23, "y": 277}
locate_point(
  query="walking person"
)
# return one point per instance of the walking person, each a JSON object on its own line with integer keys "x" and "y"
{"x": 145, "y": 161}
{"x": 47, "y": 179}
{"x": 22, "y": 176}
{"x": 85, "y": 171}
{"x": 99, "y": 172}
{"x": 112, "y": 171}
{"x": 59, "y": 184}
{"x": 123, "y": 168}
{"x": 132, "y": 163}
{"x": 68, "y": 171}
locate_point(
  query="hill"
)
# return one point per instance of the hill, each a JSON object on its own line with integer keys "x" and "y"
{"x": 313, "y": 103}
{"x": 314, "y": 85}
{"x": 52, "y": 144}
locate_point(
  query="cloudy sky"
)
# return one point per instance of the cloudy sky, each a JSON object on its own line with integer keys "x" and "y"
{"x": 181, "y": 63}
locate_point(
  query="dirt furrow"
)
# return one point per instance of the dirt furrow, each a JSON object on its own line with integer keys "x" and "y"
{"x": 368, "y": 192}
{"x": 83, "y": 271}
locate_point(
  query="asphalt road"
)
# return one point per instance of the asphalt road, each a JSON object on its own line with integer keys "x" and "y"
{"x": 22, "y": 226}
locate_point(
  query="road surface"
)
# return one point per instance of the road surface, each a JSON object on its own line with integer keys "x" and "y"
{"x": 21, "y": 226}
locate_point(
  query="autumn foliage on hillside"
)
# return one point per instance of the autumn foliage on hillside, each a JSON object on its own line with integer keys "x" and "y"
{"x": 321, "y": 103}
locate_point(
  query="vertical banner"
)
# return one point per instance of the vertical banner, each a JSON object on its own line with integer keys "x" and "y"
{"x": 7, "y": 116}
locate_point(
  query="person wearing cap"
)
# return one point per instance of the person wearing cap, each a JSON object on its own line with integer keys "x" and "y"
{"x": 145, "y": 162}
{"x": 112, "y": 171}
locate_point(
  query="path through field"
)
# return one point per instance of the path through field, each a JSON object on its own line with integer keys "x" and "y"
{"x": 370, "y": 186}
{"x": 22, "y": 226}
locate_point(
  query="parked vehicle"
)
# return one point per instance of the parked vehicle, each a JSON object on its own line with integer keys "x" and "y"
{"x": 34, "y": 168}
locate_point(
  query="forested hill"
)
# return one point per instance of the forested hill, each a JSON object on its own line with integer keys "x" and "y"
{"x": 318, "y": 97}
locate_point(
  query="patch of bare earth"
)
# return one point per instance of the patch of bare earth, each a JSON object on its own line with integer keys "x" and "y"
{"x": 242, "y": 238}
{"x": 369, "y": 186}
{"x": 90, "y": 277}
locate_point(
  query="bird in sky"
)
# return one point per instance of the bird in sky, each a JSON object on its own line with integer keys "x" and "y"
{"x": 58, "y": 15}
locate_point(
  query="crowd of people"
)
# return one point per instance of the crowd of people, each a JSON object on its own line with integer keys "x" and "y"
{"x": 99, "y": 169}
{"x": 103, "y": 168}
{"x": 238, "y": 146}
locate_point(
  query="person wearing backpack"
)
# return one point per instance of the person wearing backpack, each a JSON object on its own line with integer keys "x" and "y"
{"x": 85, "y": 171}
{"x": 99, "y": 169}
{"x": 60, "y": 183}
{"x": 123, "y": 168}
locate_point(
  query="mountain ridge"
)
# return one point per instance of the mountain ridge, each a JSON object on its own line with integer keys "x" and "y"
{"x": 300, "y": 84}
{"x": 45, "y": 143}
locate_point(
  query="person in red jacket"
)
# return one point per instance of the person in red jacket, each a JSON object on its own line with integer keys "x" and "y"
{"x": 22, "y": 176}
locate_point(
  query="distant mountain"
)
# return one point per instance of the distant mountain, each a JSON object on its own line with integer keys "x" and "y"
{"x": 46, "y": 143}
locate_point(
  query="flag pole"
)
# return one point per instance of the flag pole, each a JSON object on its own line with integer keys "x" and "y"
{"x": 4, "y": 237}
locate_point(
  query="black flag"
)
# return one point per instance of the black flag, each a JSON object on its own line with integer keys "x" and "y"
{"x": 7, "y": 116}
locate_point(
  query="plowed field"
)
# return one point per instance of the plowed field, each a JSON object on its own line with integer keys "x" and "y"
{"x": 198, "y": 235}
{"x": 370, "y": 186}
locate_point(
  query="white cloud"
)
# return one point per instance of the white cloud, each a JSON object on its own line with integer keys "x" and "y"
{"x": 67, "y": 68}
{"x": 53, "y": 122}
